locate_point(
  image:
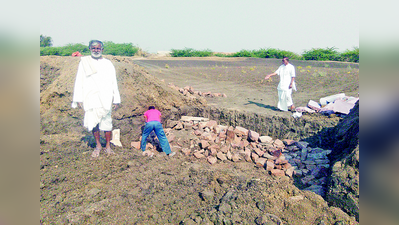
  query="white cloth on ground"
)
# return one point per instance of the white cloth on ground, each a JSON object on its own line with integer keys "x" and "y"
{"x": 116, "y": 137}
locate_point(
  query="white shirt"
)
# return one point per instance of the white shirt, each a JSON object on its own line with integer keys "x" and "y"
{"x": 286, "y": 73}
{"x": 98, "y": 90}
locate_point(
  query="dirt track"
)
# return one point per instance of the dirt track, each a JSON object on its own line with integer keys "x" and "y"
{"x": 131, "y": 189}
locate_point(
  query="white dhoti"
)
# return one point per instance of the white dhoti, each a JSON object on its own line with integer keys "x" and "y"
{"x": 284, "y": 99}
{"x": 99, "y": 116}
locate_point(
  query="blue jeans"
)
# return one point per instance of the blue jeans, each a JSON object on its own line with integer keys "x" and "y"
{"x": 157, "y": 127}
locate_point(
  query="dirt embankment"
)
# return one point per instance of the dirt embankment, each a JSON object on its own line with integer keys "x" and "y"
{"x": 131, "y": 188}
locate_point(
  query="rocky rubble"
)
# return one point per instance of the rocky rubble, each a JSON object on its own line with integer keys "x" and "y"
{"x": 218, "y": 143}
{"x": 190, "y": 92}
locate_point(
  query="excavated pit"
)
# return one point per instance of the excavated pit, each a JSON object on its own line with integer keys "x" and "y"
{"x": 314, "y": 129}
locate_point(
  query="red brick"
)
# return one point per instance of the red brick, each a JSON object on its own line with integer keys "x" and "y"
{"x": 229, "y": 155}
{"x": 211, "y": 124}
{"x": 178, "y": 126}
{"x": 276, "y": 172}
{"x": 260, "y": 162}
{"x": 269, "y": 165}
{"x": 267, "y": 155}
{"x": 241, "y": 131}
{"x": 287, "y": 166}
{"x": 197, "y": 132}
{"x": 235, "y": 157}
{"x": 265, "y": 139}
{"x": 280, "y": 161}
{"x": 259, "y": 152}
{"x": 253, "y": 136}
{"x": 288, "y": 142}
{"x": 224, "y": 149}
{"x": 221, "y": 156}
{"x": 204, "y": 144}
{"x": 278, "y": 143}
{"x": 213, "y": 151}
{"x": 199, "y": 155}
{"x": 289, "y": 171}
{"x": 186, "y": 151}
{"x": 254, "y": 156}
{"x": 243, "y": 143}
{"x": 276, "y": 153}
{"x": 135, "y": 144}
{"x": 247, "y": 155}
{"x": 230, "y": 135}
{"x": 222, "y": 136}
{"x": 212, "y": 160}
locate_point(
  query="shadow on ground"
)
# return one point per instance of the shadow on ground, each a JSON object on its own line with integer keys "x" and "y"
{"x": 263, "y": 106}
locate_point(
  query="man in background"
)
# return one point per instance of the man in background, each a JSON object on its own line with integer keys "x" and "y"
{"x": 287, "y": 83}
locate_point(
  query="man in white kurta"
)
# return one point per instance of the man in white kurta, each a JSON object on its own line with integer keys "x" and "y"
{"x": 96, "y": 87}
{"x": 287, "y": 83}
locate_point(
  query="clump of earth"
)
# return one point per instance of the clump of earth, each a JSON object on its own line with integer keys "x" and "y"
{"x": 130, "y": 188}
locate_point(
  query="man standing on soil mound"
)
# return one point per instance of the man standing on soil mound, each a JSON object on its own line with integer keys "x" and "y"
{"x": 96, "y": 87}
{"x": 287, "y": 83}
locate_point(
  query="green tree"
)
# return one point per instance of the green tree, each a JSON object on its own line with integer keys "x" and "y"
{"x": 45, "y": 41}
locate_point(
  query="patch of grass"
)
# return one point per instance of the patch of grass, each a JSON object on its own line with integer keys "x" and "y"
{"x": 65, "y": 50}
{"x": 125, "y": 49}
{"x": 110, "y": 48}
{"x": 322, "y": 74}
{"x": 321, "y": 54}
{"x": 351, "y": 55}
{"x": 318, "y": 54}
{"x": 189, "y": 52}
{"x": 331, "y": 54}
{"x": 266, "y": 53}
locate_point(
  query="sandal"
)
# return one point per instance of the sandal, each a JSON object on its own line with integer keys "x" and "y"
{"x": 96, "y": 153}
{"x": 109, "y": 151}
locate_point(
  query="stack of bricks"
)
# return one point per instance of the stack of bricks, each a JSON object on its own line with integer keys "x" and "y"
{"x": 190, "y": 92}
{"x": 220, "y": 143}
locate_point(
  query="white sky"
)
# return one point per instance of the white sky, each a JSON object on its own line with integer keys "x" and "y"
{"x": 218, "y": 25}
